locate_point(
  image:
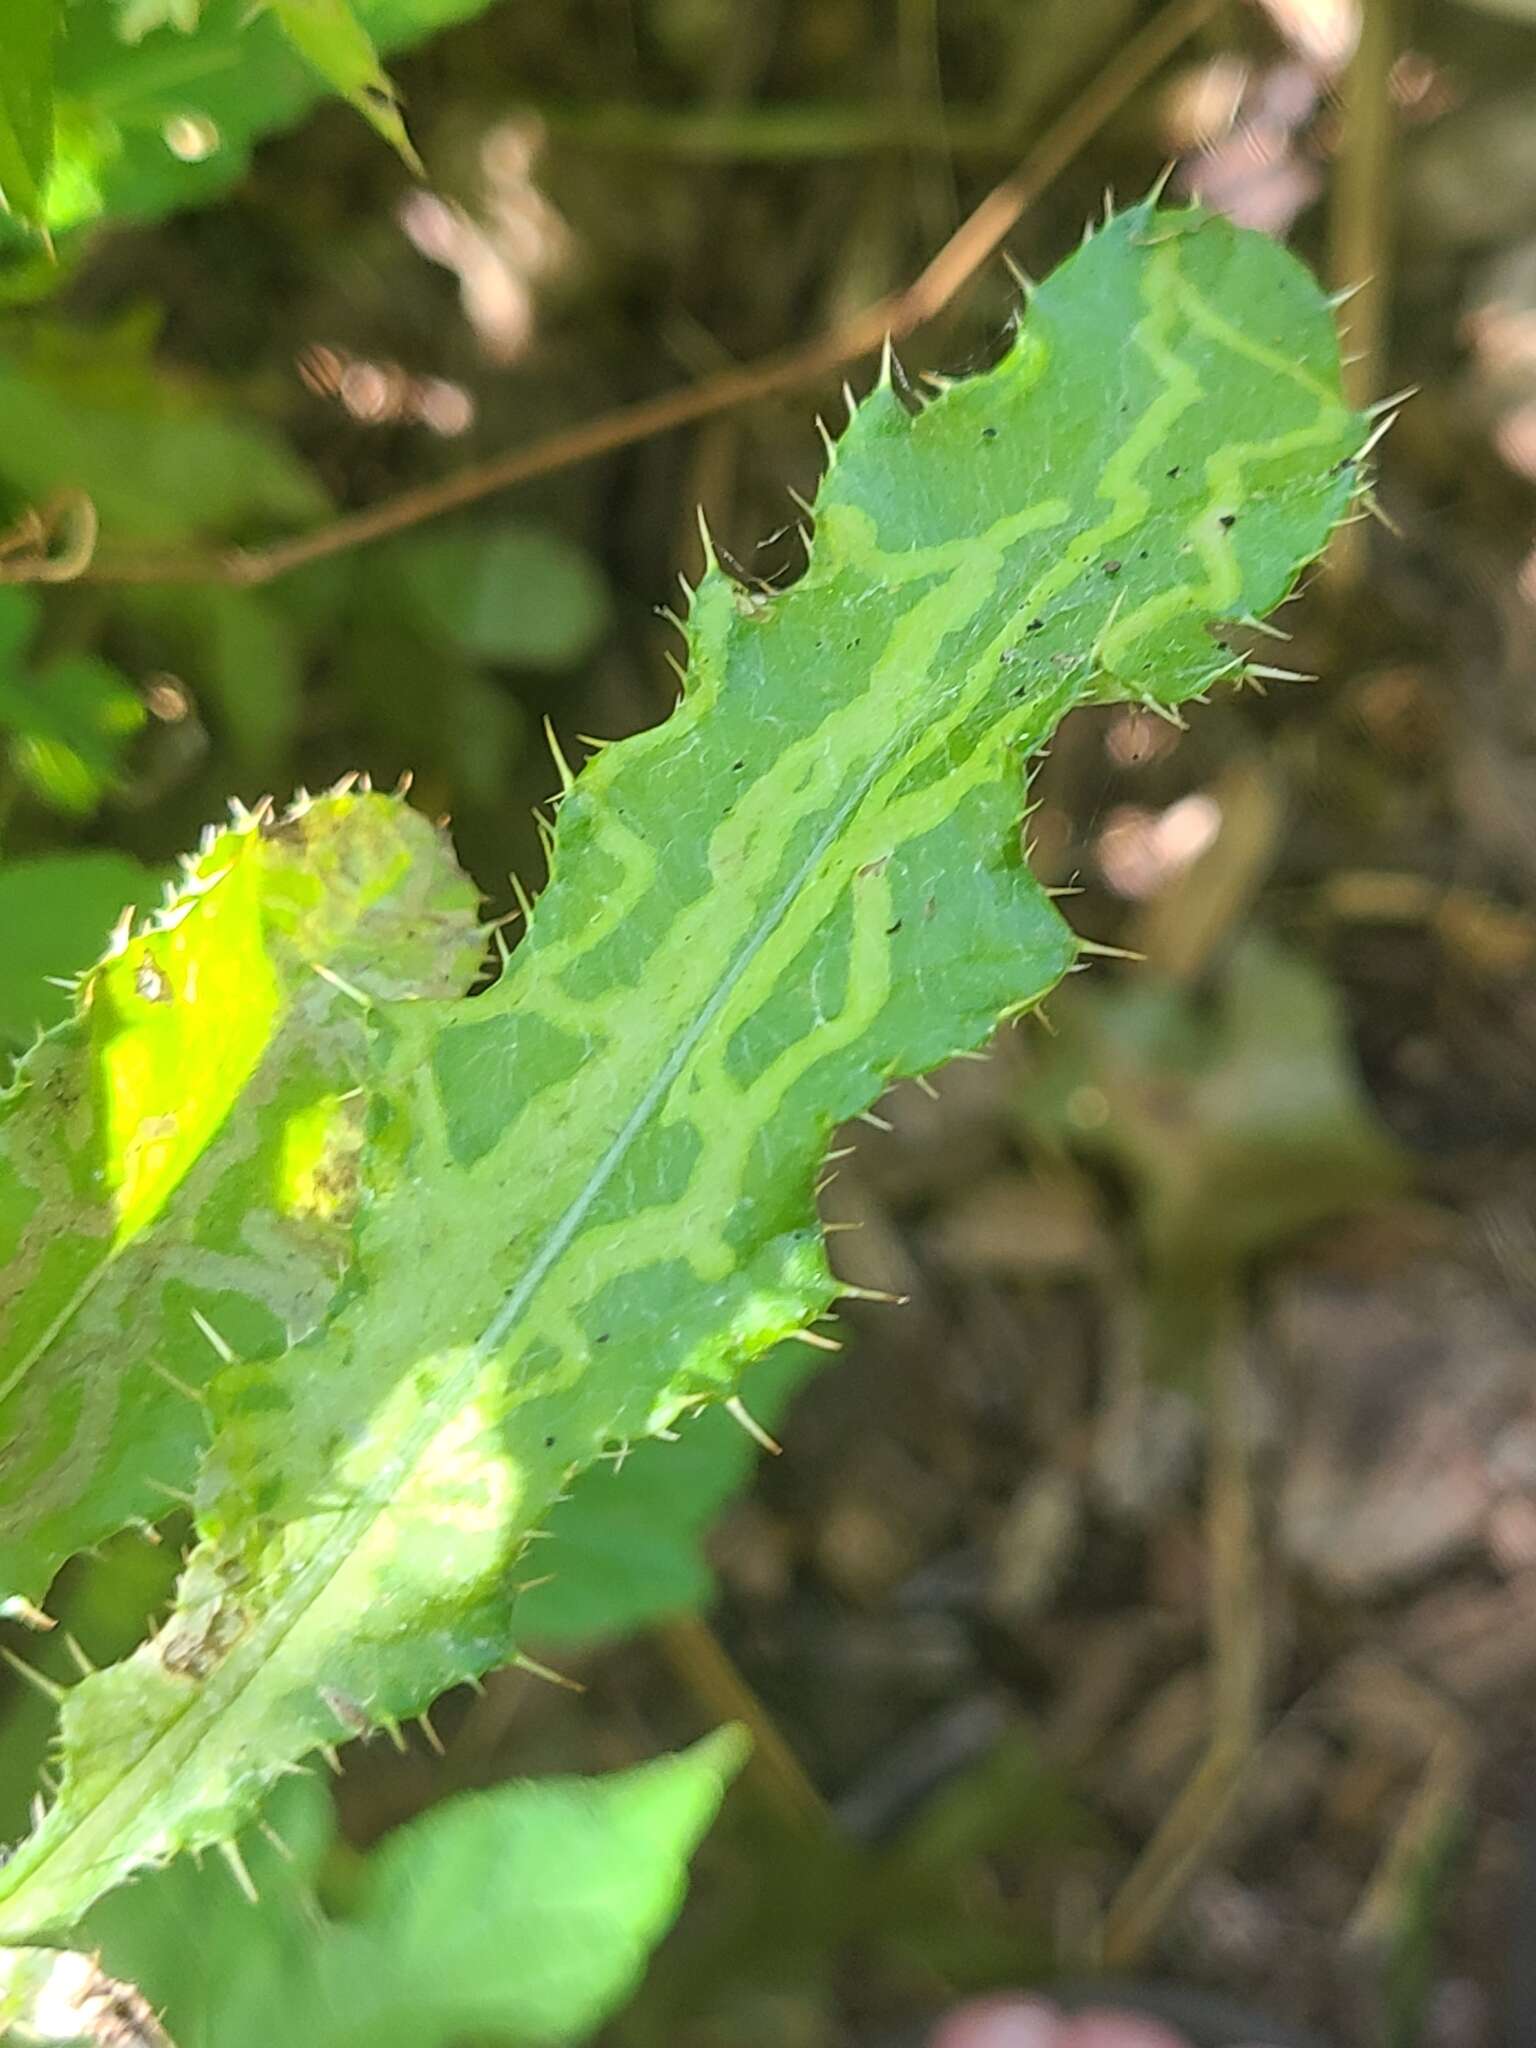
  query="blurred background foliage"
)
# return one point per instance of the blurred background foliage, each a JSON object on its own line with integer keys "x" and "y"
{"x": 1157, "y": 1590}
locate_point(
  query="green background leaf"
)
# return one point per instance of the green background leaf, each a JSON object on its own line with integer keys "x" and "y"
{"x": 168, "y": 119}
{"x": 626, "y": 1549}
{"x": 329, "y": 35}
{"x": 159, "y": 458}
{"x": 508, "y": 592}
{"x": 524, "y": 1912}
{"x": 55, "y": 913}
{"x": 26, "y": 105}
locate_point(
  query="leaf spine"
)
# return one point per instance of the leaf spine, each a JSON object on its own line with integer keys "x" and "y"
{"x": 1379, "y": 513}
{"x": 342, "y": 985}
{"x": 1264, "y": 626}
{"x": 38, "y": 1680}
{"x": 224, "y": 1351}
{"x": 18, "y": 1608}
{"x": 235, "y": 1864}
{"x": 177, "y": 1386}
{"x": 1378, "y": 406}
{"x": 737, "y": 1409}
{"x": 1027, "y": 285}
{"x": 524, "y": 902}
{"x": 706, "y": 542}
{"x": 82, "y": 1662}
{"x": 1100, "y": 951}
{"x": 1278, "y": 675}
{"x": 537, "y": 1670}
{"x": 562, "y": 766}
{"x": 1378, "y": 433}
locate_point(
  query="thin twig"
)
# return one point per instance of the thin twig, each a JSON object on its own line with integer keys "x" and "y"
{"x": 896, "y": 315}
{"x": 700, "y": 1660}
{"x": 1193, "y": 1823}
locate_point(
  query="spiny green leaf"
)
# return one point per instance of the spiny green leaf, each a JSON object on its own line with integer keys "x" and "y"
{"x": 522, "y": 1912}
{"x": 591, "y": 1189}
{"x": 178, "y": 1162}
{"x": 26, "y": 106}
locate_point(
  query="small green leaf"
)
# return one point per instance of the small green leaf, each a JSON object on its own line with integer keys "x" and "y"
{"x": 240, "y": 655}
{"x": 328, "y": 34}
{"x": 69, "y": 724}
{"x": 55, "y": 913}
{"x": 511, "y": 593}
{"x": 65, "y": 725}
{"x": 26, "y": 106}
{"x": 1238, "y": 1121}
{"x": 626, "y": 1549}
{"x": 524, "y": 1912}
{"x": 93, "y": 412}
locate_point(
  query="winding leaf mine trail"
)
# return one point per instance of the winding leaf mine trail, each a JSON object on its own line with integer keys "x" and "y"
{"x": 591, "y": 1189}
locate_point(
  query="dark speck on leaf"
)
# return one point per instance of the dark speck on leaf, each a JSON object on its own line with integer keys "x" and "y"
{"x": 1113, "y": 568}
{"x": 1035, "y": 626}
{"x": 549, "y": 1443}
{"x": 989, "y": 433}
{"x": 1227, "y": 519}
{"x": 892, "y": 929}
{"x": 1173, "y": 472}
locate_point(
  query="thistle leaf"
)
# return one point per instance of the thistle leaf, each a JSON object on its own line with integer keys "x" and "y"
{"x": 178, "y": 1161}
{"x": 591, "y": 1188}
